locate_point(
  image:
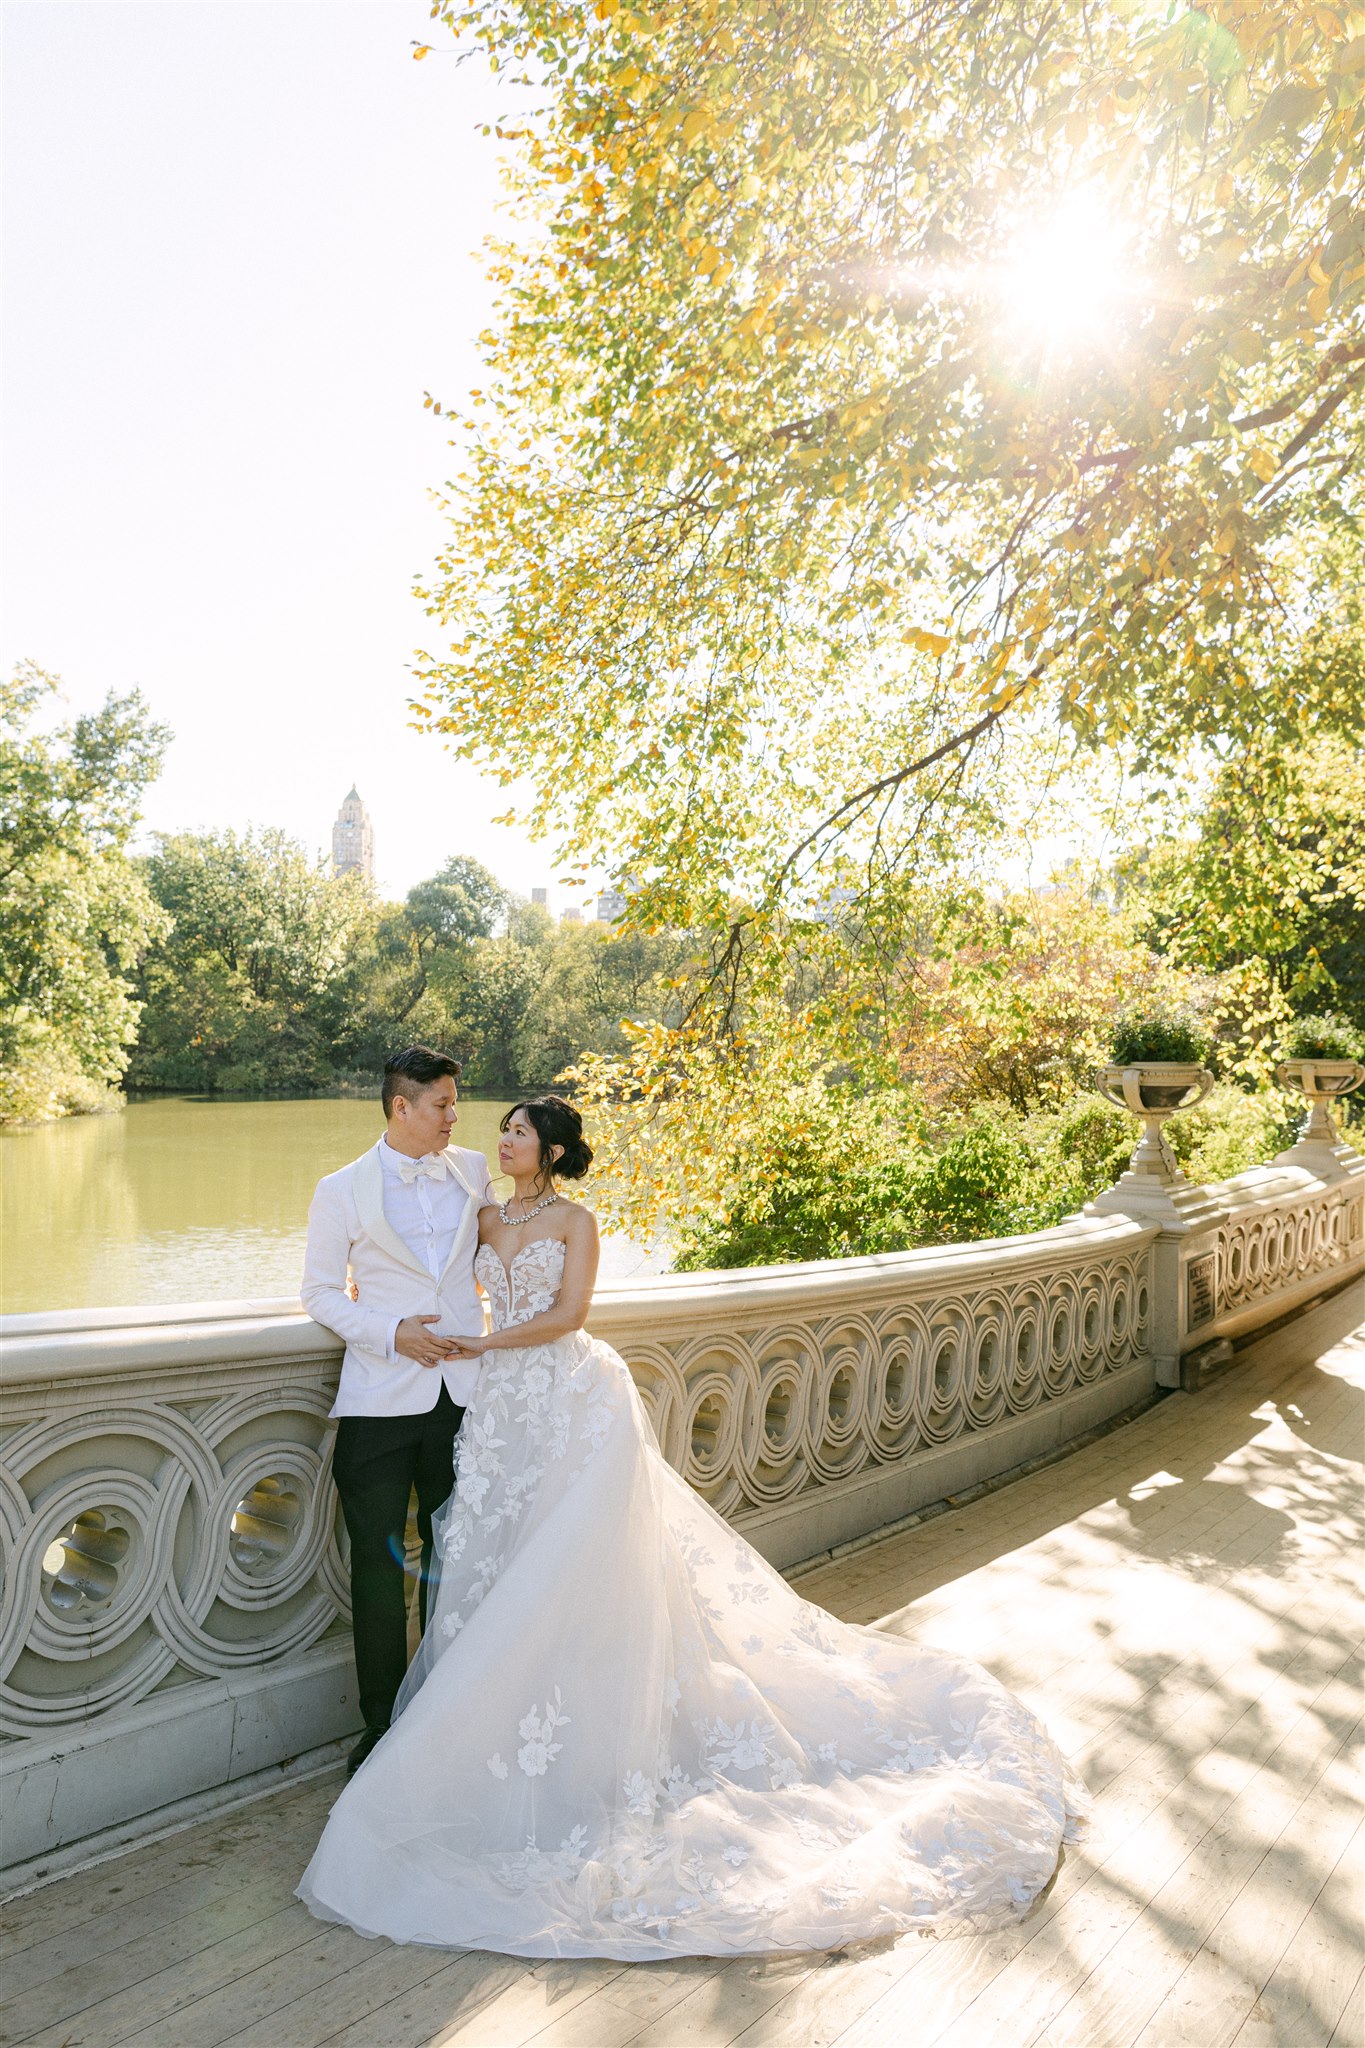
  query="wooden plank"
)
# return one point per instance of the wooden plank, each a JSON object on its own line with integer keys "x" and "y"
{"x": 424, "y": 2011}
{"x": 1081, "y": 1904}
{"x": 1212, "y": 1999}
{"x": 1094, "y": 1942}
{"x": 1349, "y": 2031}
{"x": 647, "y": 1989}
{"x": 1158, "y": 1760}
{"x": 1144, "y": 1743}
{"x": 821, "y": 2008}
{"x": 251, "y": 2000}
{"x": 110, "y": 1888}
{"x": 212, "y": 1875}
{"x": 1308, "y": 1993}
{"x": 57, "y": 1997}
{"x": 723, "y": 2005}
{"x": 540, "y": 1994}
{"x": 170, "y": 1990}
{"x": 1111, "y": 2007}
{"x": 383, "y": 1975}
{"x": 596, "y": 2023}
{"x": 621, "y": 2010}
{"x": 44, "y": 1963}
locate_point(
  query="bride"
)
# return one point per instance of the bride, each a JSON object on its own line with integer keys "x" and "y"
{"x": 624, "y": 1734}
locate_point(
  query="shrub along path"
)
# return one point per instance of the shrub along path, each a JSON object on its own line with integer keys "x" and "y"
{"x": 1179, "y": 1600}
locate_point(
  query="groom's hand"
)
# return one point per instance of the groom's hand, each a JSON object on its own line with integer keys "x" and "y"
{"x": 412, "y": 1339}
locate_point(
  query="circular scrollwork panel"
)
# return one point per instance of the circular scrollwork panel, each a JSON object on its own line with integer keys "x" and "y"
{"x": 149, "y": 1535}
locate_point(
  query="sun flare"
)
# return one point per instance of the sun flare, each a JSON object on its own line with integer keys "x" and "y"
{"x": 1065, "y": 276}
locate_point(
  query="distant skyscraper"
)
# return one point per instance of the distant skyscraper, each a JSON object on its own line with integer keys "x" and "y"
{"x": 611, "y": 904}
{"x": 353, "y": 839}
{"x": 541, "y": 897}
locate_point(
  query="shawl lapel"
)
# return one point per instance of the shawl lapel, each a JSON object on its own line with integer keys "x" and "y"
{"x": 369, "y": 1200}
{"x": 469, "y": 1222}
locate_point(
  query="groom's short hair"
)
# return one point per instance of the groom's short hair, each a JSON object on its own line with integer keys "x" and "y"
{"x": 418, "y": 1067}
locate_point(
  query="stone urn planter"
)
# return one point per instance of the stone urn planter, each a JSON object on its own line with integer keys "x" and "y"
{"x": 1322, "y": 1082}
{"x": 1320, "y": 1147}
{"x": 1154, "y": 1090}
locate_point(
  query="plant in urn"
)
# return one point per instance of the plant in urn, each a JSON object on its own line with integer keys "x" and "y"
{"x": 1321, "y": 1062}
{"x": 1156, "y": 1068}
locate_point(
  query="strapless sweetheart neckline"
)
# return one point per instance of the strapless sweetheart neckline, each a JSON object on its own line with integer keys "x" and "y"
{"x": 509, "y": 1267}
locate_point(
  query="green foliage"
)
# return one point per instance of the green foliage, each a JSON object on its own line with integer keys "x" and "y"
{"x": 593, "y": 981}
{"x": 74, "y": 913}
{"x": 498, "y": 996}
{"x": 996, "y": 1175}
{"x": 827, "y": 1175}
{"x": 779, "y": 549}
{"x": 460, "y": 904}
{"x": 1228, "y": 1132}
{"x": 1158, "y": 1035}
{"x": 276, "y": 976}
{"x": 978, "y": 1185}
{"x": 1268, "y": 893}
{"x": 1322, "y": 1038}
{"x": 248, "y": 990}
{"x": 1093, "y": 1141}
{"x": 415, "y": 977}
{"x": 1018, "y": 996}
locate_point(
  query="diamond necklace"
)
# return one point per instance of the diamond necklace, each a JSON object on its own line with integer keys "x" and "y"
{"x": 512, "y": 1222}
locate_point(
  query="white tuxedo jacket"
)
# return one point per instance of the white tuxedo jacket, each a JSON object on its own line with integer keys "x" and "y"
{"x": 349, "y": 1237}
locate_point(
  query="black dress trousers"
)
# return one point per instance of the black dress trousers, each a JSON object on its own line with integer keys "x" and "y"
{"x": 377, "y": 1461}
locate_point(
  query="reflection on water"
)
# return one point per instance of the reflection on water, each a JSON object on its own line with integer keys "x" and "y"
{"x": 188, "y": 1199}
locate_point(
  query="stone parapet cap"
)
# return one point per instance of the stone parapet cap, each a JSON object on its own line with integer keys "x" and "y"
{"x": 703, "y": 1297}
{"x": 1268, "y": 1186}
{"x": 70, "y": 1344}
{"x": 160, "y": 1341}
{"x": 1188, "y": 1211}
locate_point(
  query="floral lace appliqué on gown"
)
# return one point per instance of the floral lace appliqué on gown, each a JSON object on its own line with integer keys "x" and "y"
{"x": 625, "y": 1735}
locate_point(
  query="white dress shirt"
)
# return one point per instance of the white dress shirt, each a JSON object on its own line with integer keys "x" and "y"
{"x": 425, "y": 1212}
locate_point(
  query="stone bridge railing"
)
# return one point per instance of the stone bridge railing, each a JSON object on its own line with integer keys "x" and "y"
{"x": 173, "y": 1622}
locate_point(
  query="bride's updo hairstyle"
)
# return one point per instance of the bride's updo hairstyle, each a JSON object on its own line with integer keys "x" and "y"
{"x": 555, "y": 1122}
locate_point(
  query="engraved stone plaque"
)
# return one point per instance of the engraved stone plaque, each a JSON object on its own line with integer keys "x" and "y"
{"x": 1201, "y": 1302}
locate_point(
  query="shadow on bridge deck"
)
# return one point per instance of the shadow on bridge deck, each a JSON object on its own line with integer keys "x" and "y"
{"x": 1180, "y": 1601}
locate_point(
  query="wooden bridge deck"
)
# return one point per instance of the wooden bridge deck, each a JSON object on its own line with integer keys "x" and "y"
{"x": 1180, "y": 1601}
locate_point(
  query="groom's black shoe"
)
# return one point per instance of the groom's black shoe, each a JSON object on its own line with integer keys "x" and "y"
{"x": 367, "y": 1742}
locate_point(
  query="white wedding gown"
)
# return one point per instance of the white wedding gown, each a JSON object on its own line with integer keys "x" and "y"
{"x": 625, "y": 1735}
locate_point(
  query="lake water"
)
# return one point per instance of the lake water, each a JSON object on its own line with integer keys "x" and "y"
{"x": 188, "y": 1199}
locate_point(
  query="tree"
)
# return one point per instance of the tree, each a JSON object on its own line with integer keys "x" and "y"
{"x": 408, "y": 983}
{"x": 1019, "y": 995}
{"x": 74, "y": 913}
{"x": 781, "y": 513}
{"x": 594, "y": 982}
{"x": 248, "y": 989}
{"x": 496, "y": 989}
{"x": 462, "y": 903}
{"x": 1268, "y": 890}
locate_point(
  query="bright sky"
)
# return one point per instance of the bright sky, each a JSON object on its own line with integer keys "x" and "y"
{"x": 240, "y": 242}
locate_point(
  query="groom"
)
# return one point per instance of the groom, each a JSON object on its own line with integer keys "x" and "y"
{"x": 390, "y": 1269}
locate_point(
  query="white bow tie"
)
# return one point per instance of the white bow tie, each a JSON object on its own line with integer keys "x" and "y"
{"x": 430, "y": 1167}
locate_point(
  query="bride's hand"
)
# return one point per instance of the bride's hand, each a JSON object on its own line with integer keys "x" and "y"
{"x": 468, "y": 1347}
